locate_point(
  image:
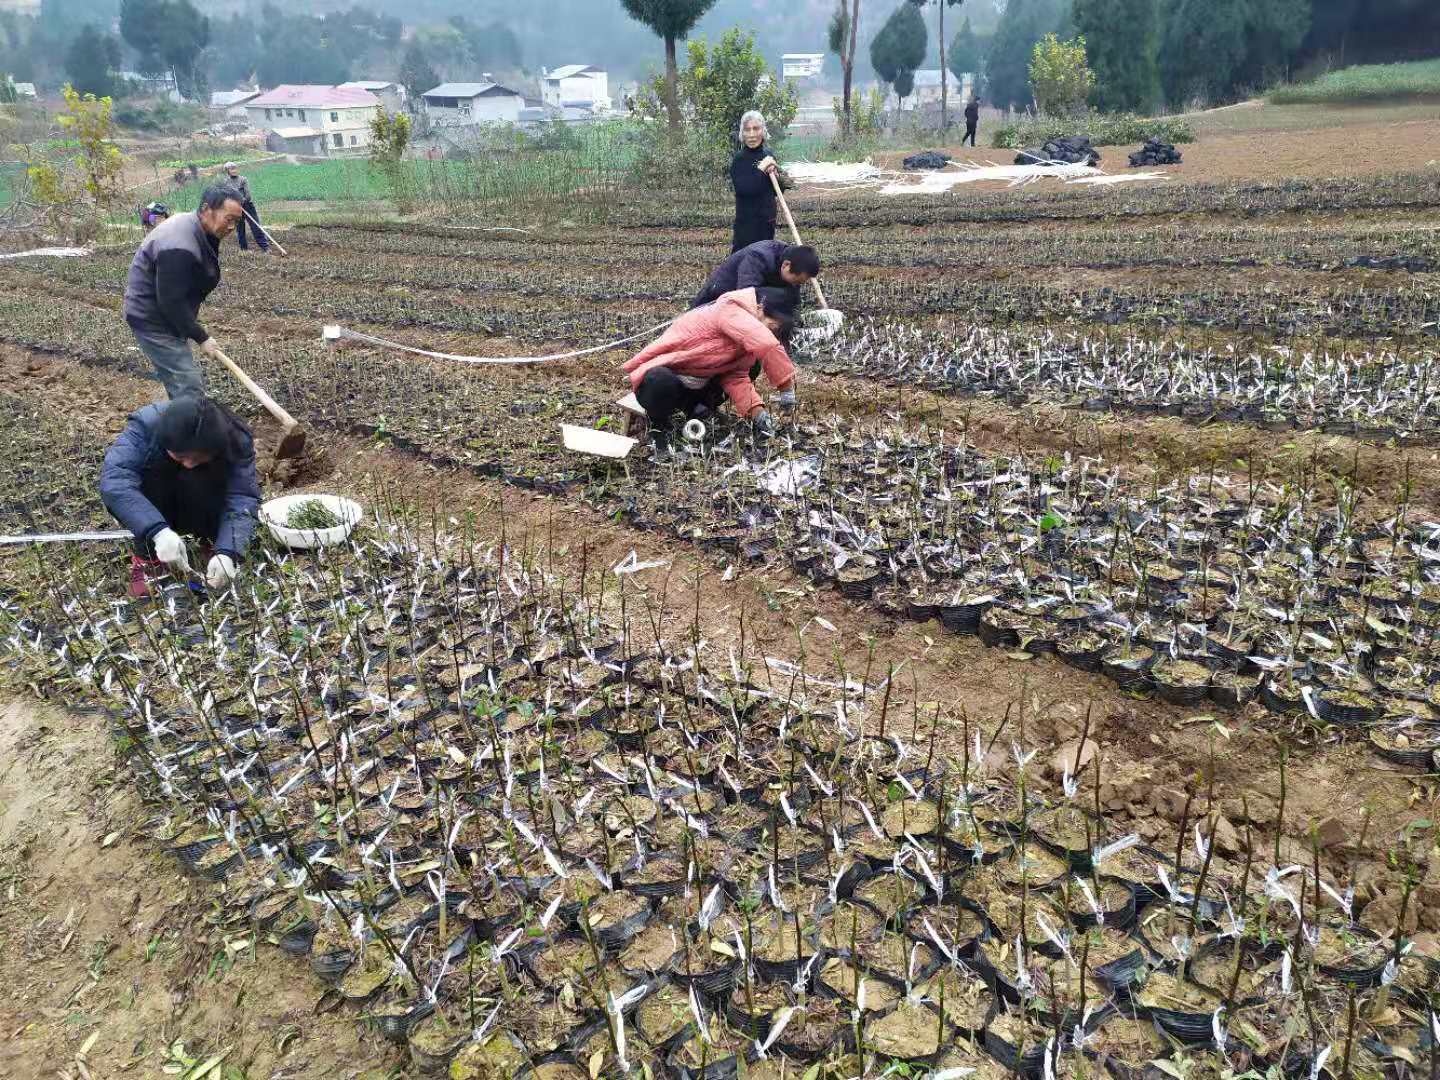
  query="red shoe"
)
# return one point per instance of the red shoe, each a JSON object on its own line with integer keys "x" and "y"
{"x": 142, "y": 573}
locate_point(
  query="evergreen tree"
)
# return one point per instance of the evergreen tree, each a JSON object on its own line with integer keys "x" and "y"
{"x": 1276, "y": 30}
{"x": 967, "y": 51}
{"x": 1122, "y": 39}
{"x": 671, "y": 20}
{"x": 169, "y": 35}
{"x": 1204, "y": 49}
{"x": 1007, "y": 65}
{"x": 91, "y": 62}
{"x": 416, "y": 74}
{"x": 900, "y": 47}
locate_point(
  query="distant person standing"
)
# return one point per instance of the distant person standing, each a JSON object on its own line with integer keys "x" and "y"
{"x": 175, "y": 270}
{"x": 972, "y": 120}
{"x": 750, "y": 173}
{"x": 241, "y": 184}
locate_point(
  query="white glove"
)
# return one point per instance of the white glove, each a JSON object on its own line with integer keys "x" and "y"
{"x": 220, "y": 572}
{"x": 170, "y": 550}
{"x": 786, "y": 398}
{"x": 766, "y": 164}
{"x": 209, "y": 348}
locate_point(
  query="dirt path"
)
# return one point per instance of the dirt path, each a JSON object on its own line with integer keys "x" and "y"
{"x": 1314, "y": 151}
{"x": 108, "y": 956}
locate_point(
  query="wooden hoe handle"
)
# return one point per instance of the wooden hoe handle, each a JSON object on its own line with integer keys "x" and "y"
{"x": 795, "y": 233}
{"x": 271, "y": 406}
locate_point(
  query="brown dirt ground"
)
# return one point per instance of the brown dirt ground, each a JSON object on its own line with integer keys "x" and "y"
{"x": 780, "y": 612}
{"x": 107, "y": 939}
{"x": 105, "y": 948}
{"x": 1364, "y": 148}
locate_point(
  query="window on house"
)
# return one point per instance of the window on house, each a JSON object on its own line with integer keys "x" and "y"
{"x": 339, "y": 139}
{"x": 334, "y": 117}
{"x": 302, "y": 115}
{"x": 354, "y": 141}
{"x": 464, "y": 108}
{"x": 267, "y": 114}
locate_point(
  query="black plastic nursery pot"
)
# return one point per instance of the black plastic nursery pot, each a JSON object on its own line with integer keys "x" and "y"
{"x": 1347, "y": 707}
{"x": 1181, "y": 681}
{"x": 1130, "y": 669}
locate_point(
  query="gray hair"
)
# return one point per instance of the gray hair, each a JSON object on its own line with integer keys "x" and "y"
{"x": 216, "y": 196}
{"x": 753, "y": 114}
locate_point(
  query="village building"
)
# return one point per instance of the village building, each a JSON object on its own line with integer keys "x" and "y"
{"x": 471, "y": 104}
{"x": 576, "y": 88}
{"x": 316, "y": 121}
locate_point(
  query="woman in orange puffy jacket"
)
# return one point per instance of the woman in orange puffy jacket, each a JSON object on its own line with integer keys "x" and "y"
{"x": 707, "y": 355}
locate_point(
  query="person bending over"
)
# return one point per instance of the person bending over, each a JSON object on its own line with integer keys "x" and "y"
{"x": 706, "y": 356}
{"x": 768, "y": 264}
{"x": 153, "y": 214}
{"x": 184, "y": 467}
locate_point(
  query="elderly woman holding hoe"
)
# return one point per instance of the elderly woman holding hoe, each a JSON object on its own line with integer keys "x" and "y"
{"x": 750, "y": 173}
{"x": 706, "y": 356}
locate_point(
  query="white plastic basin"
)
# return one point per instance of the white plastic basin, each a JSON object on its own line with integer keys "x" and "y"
{"x": 276, "y": 512}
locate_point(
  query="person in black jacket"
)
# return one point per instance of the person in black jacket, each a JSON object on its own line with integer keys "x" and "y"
{"x": 769, "y": 264}
{"x": 972, "y": 120}
{"x": 750, "y": 175}
{"x": 183, "y": 467}
{"x": 176, "y": 268}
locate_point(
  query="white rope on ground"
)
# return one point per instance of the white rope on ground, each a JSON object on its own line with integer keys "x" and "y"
{"x": 333, "y": 333}
{"x": 57, "y": 252}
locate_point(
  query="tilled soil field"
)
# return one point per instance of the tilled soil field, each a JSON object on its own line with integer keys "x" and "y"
{"x": 1056, "y": 692}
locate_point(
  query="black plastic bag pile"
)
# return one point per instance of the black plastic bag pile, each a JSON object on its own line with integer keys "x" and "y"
{"x": 927, "y": 159}
{"x": 1069, "y": 150}
{"x": 1155, "y": 152}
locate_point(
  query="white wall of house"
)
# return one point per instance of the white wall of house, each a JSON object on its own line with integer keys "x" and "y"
{"x": 592, "y": 86}
{"x": 486, "y": 109}
{"x": 343, "y": 128}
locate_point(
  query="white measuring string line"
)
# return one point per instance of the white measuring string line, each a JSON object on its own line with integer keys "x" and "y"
{"x": 335, "y": 332}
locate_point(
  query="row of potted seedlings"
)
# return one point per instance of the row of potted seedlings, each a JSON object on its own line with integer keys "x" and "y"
{"x": 1377, "y": 396}
{"x": 1201, "y": 590}
{"x": 522, "y": 838}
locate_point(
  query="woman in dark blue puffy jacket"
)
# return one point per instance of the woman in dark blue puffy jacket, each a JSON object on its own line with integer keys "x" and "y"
{"x": 183, "y": 467}
{"x": 750, "y": 175}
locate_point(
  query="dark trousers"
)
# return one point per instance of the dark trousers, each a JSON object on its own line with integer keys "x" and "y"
{"x": 664, "y": 397}
{"x": 192, "y": 501}
{"x": 969, "y": 134}
{"x": 749, "y": 231}
{"x": 261, "y": 240}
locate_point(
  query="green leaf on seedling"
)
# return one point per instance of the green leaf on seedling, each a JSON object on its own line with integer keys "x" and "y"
{"x": 895, "y": 792}
{"x": 1050, "y": 521}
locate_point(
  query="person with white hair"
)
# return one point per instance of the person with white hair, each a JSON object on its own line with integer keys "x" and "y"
{"x": 241, "y": 186}
{"x": 750, "y": 173}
